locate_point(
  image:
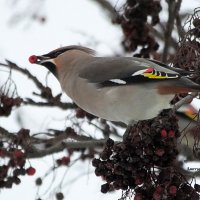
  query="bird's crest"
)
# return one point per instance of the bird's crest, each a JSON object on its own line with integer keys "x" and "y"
{"x": 56, "y": 52}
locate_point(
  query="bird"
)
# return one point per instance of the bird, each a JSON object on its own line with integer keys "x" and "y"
{"x": 121, "y": 89}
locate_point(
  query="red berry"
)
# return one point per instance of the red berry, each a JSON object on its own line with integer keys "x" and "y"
{"x": 138, "y": 181}
{"x": 171, "y": 134}
{"x": 2, "y": 152}
{"x": 159, "y": 189}
{"x": 18, "y": 154}
{"x": 138, "y": 197}
{"x": 156, "y": 196}
{"x": 32, "y": 59}
{"x": 172, "y": 190}
{"x": 163, "y": 133}
{"x": 159, "y": 152}
{"x": 30, "y": 171}
{"x": 65, "y": 160}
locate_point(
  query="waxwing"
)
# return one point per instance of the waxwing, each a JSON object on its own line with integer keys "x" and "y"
{"x": 122, "y": 89}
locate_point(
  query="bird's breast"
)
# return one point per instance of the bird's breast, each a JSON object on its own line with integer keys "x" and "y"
{"x": 122, "y": 103}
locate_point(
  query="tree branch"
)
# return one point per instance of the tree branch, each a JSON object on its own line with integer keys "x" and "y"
{"x": 36, "y": 147}
{"x": 60, "y": 146}
{"x": 173, "y": 9}
{"x": 58, "y": 104}
{"x": 181, "y": 31}
{"x": 108, "y": 7}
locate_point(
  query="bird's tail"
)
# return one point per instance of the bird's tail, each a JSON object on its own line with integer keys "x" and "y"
{"x": 182, "y": 85}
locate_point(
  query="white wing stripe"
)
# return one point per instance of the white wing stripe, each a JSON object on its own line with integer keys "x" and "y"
{"x": 140, "y": 72}
{"x": 119, "y": 81}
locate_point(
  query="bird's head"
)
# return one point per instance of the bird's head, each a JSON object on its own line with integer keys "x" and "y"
{"x": 58, "y": 58}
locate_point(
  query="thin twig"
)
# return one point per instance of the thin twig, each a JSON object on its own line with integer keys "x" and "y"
{"x": 160, "y": 35}
{"x": 14, "y": 66}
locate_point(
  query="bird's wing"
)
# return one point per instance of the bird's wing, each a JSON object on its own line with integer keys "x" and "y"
{"x": 122, "y": 71}
{"x": 178, "y": 70}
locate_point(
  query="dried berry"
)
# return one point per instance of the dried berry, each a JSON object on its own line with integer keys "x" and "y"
{"x": 59, "y": 196}
{"x": 156, "y": 196}
{"x": 196, "y": 22}
{"x": 2, "y": 152}
{"x": 65, "y": 160}
{"x": 80, "y": 113}
{"x": 95, "y": 162}
{"x": 16, "y": 180}
{"x": 138, "y": 197}
{"x": 105, "y": 188}
{"x": 159, "y": 152}
{"x": 38, "y": 181}
{"x": 109, "y": 143}
{"x": 18, "y": 153}
{"x": 172, "y": 190}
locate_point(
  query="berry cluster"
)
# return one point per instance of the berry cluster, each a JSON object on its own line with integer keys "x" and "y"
{"x": 187, "y": 55}
{"x": 14, "y": 165}
{"x": 143, "y": 161}
{"x": 137, "y": 18}
{"x": 7, "y": 103}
